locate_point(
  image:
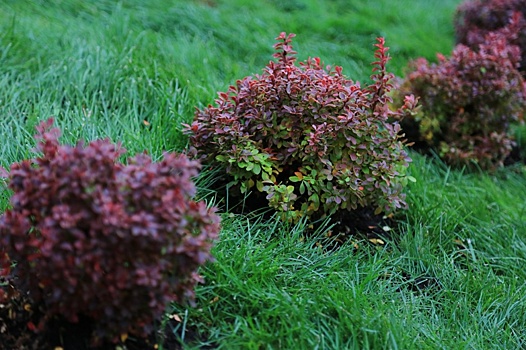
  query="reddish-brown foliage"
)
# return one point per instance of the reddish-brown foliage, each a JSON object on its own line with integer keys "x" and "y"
{"x": 475, "y": 19}
{"x": 94, "y": 238}
{"x": 307, "y": 138}
{"x": 468, "y": 102}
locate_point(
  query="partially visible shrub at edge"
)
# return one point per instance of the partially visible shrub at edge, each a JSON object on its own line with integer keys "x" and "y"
{"x": 468, "y": 102}
{"x": 91, "y": 237}
{"x": 307, "y": 138}
{"x": 477, "y": 18}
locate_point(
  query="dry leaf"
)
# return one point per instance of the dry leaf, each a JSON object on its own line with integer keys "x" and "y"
{"x": 176, "y": 317}
{"x": 376, "y": 241}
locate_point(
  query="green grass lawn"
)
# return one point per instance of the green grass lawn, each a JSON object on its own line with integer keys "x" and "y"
{"x": 135, "y": 70}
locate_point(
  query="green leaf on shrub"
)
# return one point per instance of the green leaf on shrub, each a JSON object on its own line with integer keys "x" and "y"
{"x": 411, "y": 178}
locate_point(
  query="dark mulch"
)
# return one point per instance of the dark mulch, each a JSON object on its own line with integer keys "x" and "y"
{"x": 516, "y": 156}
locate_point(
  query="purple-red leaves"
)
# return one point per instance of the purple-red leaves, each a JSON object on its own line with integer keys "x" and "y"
{"x": 284, "y": 52}
{"x": 310, "y": 120}
{"x": 468, "y": 102}
{"x": 475, "y": 19}
{"x": 108, "y": 241}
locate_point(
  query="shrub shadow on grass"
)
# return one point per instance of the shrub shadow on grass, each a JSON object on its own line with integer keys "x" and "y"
{"x": 20, "y": 314}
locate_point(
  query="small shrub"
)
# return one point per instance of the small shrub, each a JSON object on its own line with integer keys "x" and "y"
{"x": 476, "y": 18}
{"x": 91, "y": 237}
{"x": 468, "y": 102}
{"x": 307, "y": 138}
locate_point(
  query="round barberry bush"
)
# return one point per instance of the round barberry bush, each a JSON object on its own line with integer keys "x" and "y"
{"x": 469, "y": 102}
{"x": 306, "y": 139}
{"x": 88, "y": 237}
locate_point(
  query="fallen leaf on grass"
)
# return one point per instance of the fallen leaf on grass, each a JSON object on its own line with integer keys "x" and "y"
{"x": 377, "y": 241}
{"x": 176, "y": 317}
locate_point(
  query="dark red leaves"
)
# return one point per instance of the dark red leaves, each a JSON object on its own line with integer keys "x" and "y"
{"x": 469, "y": 101}
{"x": 98, "y": 238}
{"x": 475, "y": 19}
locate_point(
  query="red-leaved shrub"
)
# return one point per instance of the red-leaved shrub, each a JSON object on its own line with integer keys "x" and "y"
{"x": 468, "y": 102}
{"x": 306, "y": 138}
{"x": 92, "y": 237}
{"x": 475, "y": 19}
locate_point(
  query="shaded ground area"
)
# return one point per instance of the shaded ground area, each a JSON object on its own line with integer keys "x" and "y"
{"x": 19, "y": 316}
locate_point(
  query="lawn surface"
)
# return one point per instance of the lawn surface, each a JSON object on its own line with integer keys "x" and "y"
{"x": 135, "y": 70}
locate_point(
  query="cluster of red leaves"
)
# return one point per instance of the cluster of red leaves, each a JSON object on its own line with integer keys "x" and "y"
{"x": 475, "y": 19}
{"x": 92, "y": 237}
{"x": 469, "y": 101}
{"x": 309, "y": 139}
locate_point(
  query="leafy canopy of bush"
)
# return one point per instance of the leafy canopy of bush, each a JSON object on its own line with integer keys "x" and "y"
{"x": 307, "y": 138}
{"x": 475, "y": 19}
{"x": 96, "y": 238}
{"x": 468, "y": 101}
